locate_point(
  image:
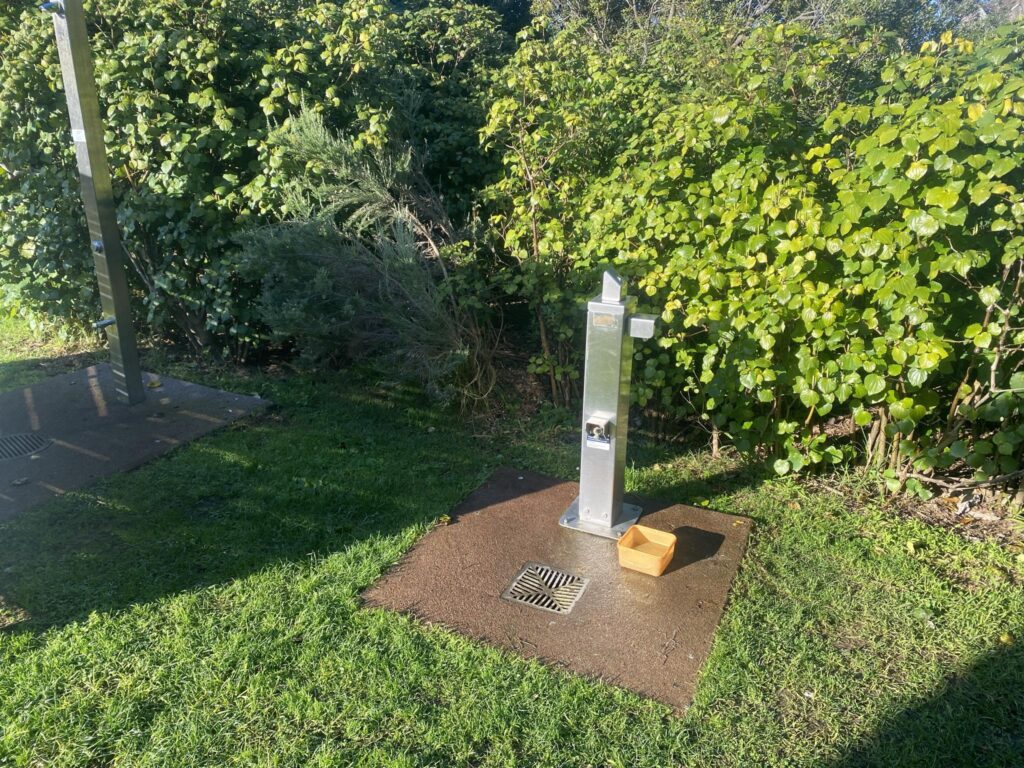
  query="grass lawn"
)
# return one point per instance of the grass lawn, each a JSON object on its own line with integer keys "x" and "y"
{"x": 25, "y": 358}
{"x": 204, "y": 611}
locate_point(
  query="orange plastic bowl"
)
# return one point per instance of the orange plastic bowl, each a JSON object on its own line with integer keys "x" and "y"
{"x": 646, "y": 550}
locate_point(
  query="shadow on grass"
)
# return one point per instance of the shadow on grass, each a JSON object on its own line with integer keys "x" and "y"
{"x": 336, "y": 465}
{"x": 976, "y": 720}
{"x": 705, "y": 482}
{"x": 15, "y": 374}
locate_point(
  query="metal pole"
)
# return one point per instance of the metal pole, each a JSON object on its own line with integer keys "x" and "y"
{"x": 611, "y": 328}
{"x": 97, "y": 195}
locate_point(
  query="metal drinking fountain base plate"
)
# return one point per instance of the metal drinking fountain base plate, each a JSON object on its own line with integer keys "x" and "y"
{"x": 571, "y": 519}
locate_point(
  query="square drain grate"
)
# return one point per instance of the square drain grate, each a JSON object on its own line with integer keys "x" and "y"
{"x": 547, "y": 588}
{"x": 19, "y": 446}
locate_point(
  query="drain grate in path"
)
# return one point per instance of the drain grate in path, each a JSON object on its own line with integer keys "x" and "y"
{"x": 547, "y": 588}
{"x": 19, "y": 446}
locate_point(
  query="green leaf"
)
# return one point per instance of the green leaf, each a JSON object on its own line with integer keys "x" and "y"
{"x": 886, "y": 134}
{"x": 1002, "y": 166}
{"x": 990, "y": 80}
{"x": 781, "y": 467}
{"x": 923, "y": 224}
{"x": 916, "y": 377}
{"x": 943, "y": 197}
{"x": 721, "y": 114}
{"x": 989, "y": 295}
{"x": 917, "y": 170}
{"x": 874, "y": 384}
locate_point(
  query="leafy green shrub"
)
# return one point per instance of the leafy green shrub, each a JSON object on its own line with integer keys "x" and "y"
{"x": 557, "y": 119}
{"x": 361, "y": 267}
{"x": 191, "y": 93}
{"x": 568, "y": 114}
{"x": 846, "y": 289}
{"x": 610, "y": 23}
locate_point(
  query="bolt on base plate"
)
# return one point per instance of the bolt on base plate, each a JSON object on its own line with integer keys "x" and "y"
{"x": 571, "y": 519}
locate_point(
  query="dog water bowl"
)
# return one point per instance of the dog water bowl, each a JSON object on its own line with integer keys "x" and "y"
{"x": 646, "y": 550}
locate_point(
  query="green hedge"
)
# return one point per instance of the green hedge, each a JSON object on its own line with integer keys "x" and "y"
{"x": 829, "y": 290}
{"x": 830, "y": 228}
{"x": 192, "y": 93}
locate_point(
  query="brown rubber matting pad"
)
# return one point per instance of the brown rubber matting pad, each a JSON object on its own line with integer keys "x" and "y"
{"x": 650, "y": 635}
{"x": 95, "y": 435}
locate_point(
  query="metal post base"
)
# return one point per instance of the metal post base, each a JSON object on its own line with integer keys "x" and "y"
{"x": 571, "y": 519}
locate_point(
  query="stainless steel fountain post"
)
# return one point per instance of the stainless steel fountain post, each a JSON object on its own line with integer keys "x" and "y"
{"x": 97, "y": 195}
{"x": 611, "y": 328}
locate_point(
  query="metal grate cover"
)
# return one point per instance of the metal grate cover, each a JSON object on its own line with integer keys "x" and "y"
{"x": 547, "y": 588}
{"x": 18, "y": 446}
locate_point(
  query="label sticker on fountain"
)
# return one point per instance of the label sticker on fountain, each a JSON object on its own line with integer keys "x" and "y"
{"x": 605, "y": 321}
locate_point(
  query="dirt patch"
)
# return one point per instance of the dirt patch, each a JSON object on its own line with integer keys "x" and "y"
{"x": 10, "y": 614}
{"x": 975, "y": 516}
